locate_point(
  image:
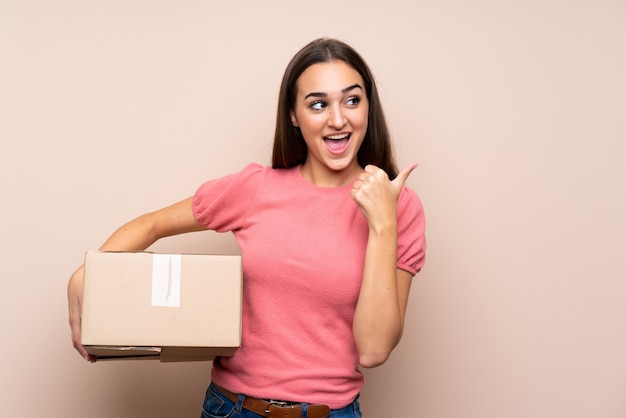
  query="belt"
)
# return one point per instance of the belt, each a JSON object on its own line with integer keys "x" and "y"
{"x": 272, "y": 409}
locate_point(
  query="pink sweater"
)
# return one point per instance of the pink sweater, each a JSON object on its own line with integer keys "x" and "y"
{"x": 303, "y": 250}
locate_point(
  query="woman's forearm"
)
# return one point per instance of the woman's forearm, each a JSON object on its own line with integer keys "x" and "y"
{"x": 141, "y": 232}
{"x": 136, "y": 235}
{"x": 378, "y": 319}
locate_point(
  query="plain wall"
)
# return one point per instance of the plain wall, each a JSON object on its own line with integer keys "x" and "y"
{"x": 515, "y": 110}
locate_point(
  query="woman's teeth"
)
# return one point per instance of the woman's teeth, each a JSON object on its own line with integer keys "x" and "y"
{"x": 337, "y": 137}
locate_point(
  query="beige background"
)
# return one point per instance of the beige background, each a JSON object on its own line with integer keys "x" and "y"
{"x": 515, "y": 111}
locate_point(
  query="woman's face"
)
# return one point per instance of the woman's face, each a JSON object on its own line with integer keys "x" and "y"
{"x": 331, "y": 110}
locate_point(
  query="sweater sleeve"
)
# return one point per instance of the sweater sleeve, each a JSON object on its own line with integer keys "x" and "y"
{"x": 411, "y": 232}
{"x": 222, "y": 204}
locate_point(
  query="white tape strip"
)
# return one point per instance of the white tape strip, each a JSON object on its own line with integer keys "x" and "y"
{"x": 166, "y": 280}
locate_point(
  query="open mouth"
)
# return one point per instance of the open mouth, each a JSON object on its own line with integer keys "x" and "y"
{"x": 337, "y": 143}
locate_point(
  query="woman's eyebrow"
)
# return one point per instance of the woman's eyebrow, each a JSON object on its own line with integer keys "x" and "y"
{"x": 345, "y": 90}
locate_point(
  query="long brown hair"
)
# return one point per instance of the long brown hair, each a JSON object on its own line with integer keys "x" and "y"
{"x": 289, "y": 146}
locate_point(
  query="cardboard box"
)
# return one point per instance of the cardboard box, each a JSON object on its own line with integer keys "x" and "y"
{"x": 172, "y": 307}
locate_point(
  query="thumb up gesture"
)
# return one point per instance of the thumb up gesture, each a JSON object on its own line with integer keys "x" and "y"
{"x": 377, "y": 196}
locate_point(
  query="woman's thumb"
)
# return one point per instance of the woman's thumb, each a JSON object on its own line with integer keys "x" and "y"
{"x": 404, "y": 174}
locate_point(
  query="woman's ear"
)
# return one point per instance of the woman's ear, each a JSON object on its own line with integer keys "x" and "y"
{"x": 294, "y": 121}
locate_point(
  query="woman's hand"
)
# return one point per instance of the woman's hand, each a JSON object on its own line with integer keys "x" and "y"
{"x": 74, "y": 299}
{"x": 377, "y": 196}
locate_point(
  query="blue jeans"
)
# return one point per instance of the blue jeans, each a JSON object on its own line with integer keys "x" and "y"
{"x": 217, "y": 405}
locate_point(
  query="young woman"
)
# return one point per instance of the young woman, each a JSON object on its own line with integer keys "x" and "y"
{"x": 329, "y": 246}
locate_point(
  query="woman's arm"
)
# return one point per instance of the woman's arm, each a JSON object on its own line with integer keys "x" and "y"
{"x": 379, "y": 316}
{"x": 136, "y": 235}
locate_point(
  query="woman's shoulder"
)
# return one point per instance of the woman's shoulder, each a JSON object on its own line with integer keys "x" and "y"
{"x": 255, "y": 169}
{"x": 409, "y": 196}
{"x": 410, "y": 205}
{"x": 254, "y": 175}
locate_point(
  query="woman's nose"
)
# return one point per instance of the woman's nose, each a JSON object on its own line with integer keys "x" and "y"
{"x": 336, "y": 118}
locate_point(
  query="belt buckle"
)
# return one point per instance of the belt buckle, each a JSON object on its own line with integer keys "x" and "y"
{"x": 279, "y": 404}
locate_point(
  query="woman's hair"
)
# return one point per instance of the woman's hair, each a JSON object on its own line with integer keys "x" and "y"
{"x": 289, "y": 146}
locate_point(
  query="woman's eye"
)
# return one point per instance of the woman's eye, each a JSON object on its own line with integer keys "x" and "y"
{"x": 319, "y": 105}
{"x": 353, "y": 100}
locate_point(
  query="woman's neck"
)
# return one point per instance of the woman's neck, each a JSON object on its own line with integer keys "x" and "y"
{"x": 323, "y": 176}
